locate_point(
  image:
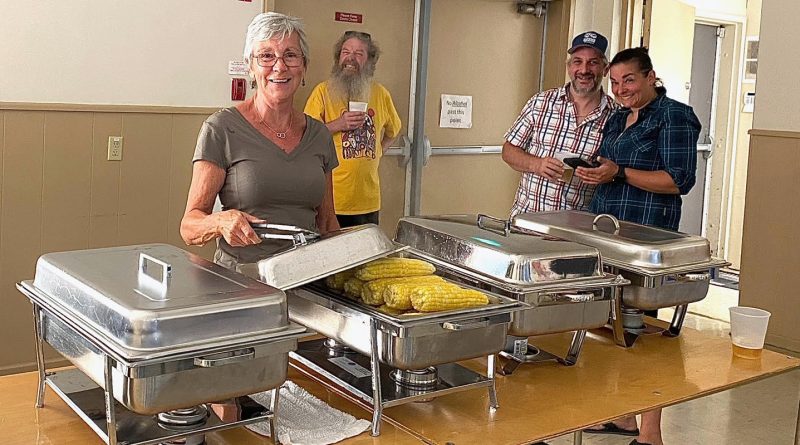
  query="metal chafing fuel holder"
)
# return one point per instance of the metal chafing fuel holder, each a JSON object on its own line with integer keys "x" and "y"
{"x": 115, "y": 424}
{"x": 358, "y": 373}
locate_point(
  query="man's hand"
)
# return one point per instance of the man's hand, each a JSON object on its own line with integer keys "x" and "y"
{"x": 550, "y": 168}
{"x": 349, "y": 120}
{"x": 599, "y": 175}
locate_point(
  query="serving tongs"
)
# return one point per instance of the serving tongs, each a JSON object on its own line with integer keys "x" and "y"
{"x": 297, "y": 235}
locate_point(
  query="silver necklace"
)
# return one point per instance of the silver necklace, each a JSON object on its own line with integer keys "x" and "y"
{"x": 279, "y": 134}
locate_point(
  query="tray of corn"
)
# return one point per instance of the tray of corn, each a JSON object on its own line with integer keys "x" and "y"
{"x": 405, "y": 287}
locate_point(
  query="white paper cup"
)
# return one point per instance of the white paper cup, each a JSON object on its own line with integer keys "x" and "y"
{"x": 358, "y": 106}
{"x": 748, "y": 330}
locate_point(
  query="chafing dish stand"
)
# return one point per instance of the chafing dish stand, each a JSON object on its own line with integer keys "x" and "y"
{"x": 156, "y": 333}
{"x": 561, "y": 283}
{"x": 380, "y": 359}
{"x": 349, "y": 369}
{"x": 665, "y": 268}
{"x": 115, "y": 424}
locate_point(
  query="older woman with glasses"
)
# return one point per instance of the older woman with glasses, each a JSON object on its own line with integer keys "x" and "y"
{"x": 265, "y": 160}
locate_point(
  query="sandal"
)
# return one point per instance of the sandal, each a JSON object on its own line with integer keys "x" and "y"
{"x": 612, "y": 428}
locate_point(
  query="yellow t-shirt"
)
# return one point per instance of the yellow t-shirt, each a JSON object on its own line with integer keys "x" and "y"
{"x": 356, "y": 186}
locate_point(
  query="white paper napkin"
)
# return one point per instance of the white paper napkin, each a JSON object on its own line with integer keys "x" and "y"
{"x": 306, "y": 420}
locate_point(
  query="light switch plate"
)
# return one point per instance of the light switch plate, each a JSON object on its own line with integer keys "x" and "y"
{"x": 115, "y": 148}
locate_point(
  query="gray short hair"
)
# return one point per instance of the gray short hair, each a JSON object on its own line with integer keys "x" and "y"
{"x": 269, "y": 25}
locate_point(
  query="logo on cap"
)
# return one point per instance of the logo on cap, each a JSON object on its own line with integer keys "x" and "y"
{"x": 590, "y": 38}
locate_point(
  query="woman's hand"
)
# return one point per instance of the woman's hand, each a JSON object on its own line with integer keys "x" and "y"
{"x": 598, "y": 175}
{"x": 349, "y": 120}
{"x": 234, "y": 226}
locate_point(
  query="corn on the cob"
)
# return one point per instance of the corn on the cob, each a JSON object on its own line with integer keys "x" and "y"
{"x": 394, "y": 267}
{"x": 374, "y": 291}
{"x": 336, "y": 281}
{"x": 352, "y": 287}
{"x": 387, "y": 310}
{"x": 443, "y": 297}
{"x": 398, "y": 295}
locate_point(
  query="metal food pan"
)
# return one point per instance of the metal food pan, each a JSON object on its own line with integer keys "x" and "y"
{"x": 428, "y": 344}
{"x": 176, "y": 383}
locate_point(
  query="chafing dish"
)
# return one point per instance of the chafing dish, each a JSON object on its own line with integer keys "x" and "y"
{"x": 561, "y": 283}
{"x": 159, "y": 330}
{"x": 666, "y": 268}
{"x": 417, "y": 350}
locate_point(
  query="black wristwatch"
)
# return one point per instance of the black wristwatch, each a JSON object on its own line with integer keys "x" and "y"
{"x": 620, "y": 176}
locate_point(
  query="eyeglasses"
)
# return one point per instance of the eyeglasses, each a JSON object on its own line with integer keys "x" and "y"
{"x": 359, "y": 34}
{"x": 290, "y": 59}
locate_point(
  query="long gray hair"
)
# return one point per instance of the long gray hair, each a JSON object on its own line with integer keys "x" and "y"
{"x": 269, "y": 25}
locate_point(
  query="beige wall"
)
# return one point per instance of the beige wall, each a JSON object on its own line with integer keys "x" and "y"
{"x": 770, "y": 257}
{"x": 770, "y": 254}
{"x": 58, "y": 192}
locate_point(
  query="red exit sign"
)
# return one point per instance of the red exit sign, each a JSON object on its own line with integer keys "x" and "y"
{"x": 349, "y": 17}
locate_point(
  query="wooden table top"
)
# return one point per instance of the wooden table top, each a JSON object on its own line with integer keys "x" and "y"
{"x": 545, "y": 400}
{"x": 56, "y": 424}
{"x": 537, "y": 402}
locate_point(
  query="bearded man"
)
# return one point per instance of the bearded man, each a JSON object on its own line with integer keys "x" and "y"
{"x": 361, "y": 116}
{"x": 564, "y": 122}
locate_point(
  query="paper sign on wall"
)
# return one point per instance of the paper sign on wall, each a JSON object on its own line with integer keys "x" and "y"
{"x": 237, "y": 68}
{"x": 456, "y": 111}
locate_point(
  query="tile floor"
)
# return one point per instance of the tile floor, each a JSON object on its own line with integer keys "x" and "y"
{"x": 761, "y": 413}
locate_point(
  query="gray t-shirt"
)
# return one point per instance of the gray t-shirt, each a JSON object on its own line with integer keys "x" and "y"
{"x": 263, "y": 180}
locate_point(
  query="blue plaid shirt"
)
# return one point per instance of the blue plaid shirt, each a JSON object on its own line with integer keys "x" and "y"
{"x": 663, "y": 138}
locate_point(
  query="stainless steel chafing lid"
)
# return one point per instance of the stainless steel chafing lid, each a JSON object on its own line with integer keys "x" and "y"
{"x": 317, "y": 259}
{"x": 628, "y": 244}
{"x": 149, "y": 298}
{"x": 467, "y": 241}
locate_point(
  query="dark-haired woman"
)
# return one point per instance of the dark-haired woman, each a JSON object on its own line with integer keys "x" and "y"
{"x": 648, "y": 159}
{"x": 648, "y": 155}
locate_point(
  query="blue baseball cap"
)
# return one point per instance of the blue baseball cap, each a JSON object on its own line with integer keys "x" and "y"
{"x": 590, "y": 39}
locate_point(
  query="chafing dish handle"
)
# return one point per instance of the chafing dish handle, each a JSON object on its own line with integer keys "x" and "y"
{"x": 606, "y": 215}
{"x": 506, "y": 224}
{"x": 462, "y": 326}
{"x": 215, "y": 360}
{"x": 166, "y": 268}
{"x": 298, "y": 236}
{"x": 699, "y": 276}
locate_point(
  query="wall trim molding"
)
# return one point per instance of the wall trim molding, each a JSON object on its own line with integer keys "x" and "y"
{"x": 775, "y": 133}
{"x": 99, "y": 108}
{"x": 50, "y": 363}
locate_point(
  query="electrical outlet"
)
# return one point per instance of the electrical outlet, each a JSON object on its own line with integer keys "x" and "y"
{"x": 115, "y": 148}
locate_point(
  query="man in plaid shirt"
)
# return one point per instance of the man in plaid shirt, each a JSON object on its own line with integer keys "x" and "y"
{"x": 557, "y": 124}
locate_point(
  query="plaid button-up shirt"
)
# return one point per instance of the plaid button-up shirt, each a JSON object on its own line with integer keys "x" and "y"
{"x": 547, "y": 127}
{"x": 664, "y": 137}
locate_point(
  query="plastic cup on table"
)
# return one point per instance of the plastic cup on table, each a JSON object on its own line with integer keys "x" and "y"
{"x": 748, "y": 330}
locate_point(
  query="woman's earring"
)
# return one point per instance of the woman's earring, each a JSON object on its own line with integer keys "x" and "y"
{"x": 253, "y": 84}
{"x": 303, "y": 82}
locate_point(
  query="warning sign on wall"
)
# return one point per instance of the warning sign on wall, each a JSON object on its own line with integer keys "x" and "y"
{"x": 348, "y": 17}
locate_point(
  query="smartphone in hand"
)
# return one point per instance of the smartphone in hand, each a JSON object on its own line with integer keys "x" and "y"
{"x": 578, "y": 162}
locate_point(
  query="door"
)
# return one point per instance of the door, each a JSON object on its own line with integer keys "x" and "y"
{"x": 391, "y": 25}
{"x": 701, "y": 98}
{"x": 670, "y": 36}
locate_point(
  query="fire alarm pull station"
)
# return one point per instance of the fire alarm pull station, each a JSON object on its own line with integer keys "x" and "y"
{"x": 238, "y": 89}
